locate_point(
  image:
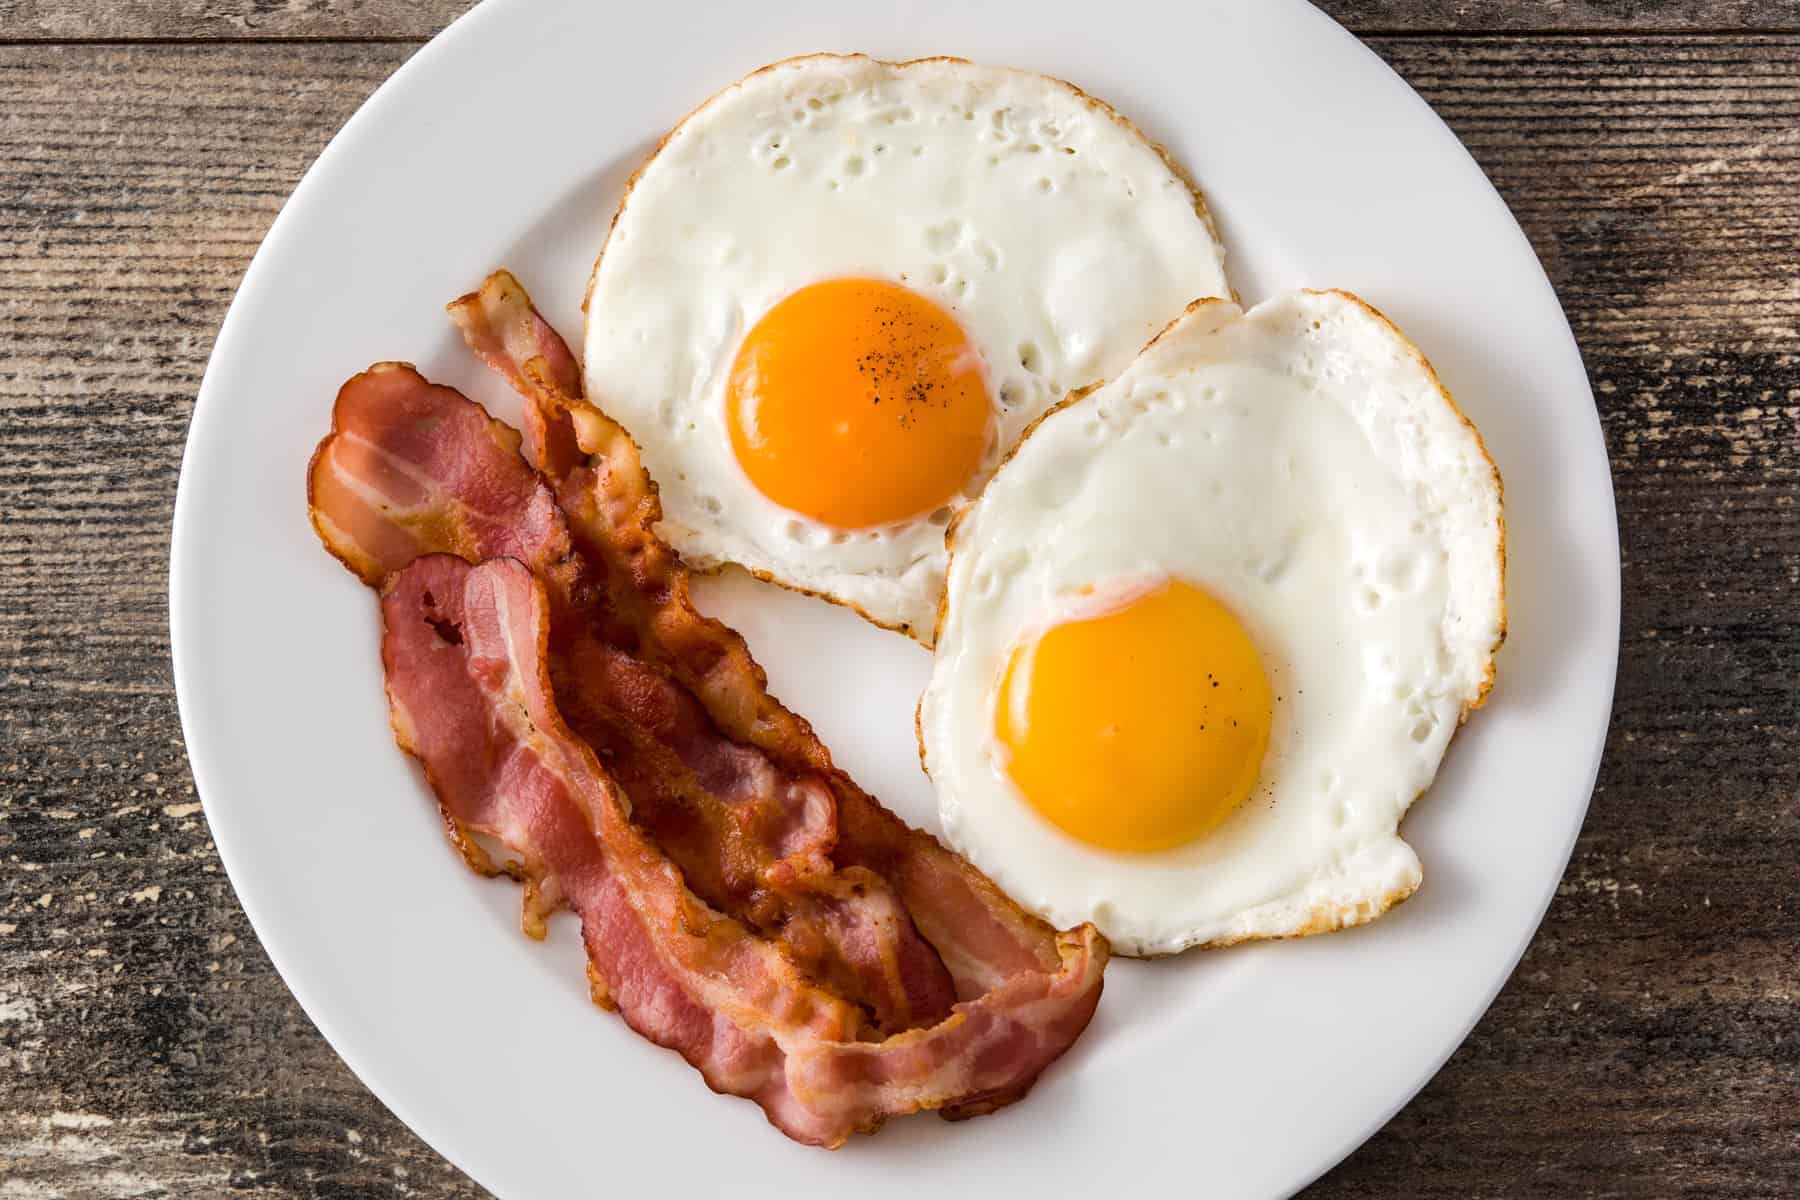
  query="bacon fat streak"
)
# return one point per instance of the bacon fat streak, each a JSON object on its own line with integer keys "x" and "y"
{"x": 860, "y": 932}
{"x": 411, "y": 469}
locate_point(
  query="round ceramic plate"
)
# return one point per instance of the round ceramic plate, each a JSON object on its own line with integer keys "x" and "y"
{"x": 507, "y": 141}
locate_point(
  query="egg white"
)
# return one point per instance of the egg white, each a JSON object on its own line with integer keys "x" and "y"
{"x": 1303, "y": 463}
{"x": 1057, "y": 235}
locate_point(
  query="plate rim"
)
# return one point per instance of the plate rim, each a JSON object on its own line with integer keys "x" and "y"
{"x": 200, "y": 757}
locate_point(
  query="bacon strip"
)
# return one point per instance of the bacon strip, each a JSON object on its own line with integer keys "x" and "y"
{"x": 466, "y": 656}
{"x": 612, "y": 507}
{"x": 724, "y": 780}
{"x": 411, "y": 468}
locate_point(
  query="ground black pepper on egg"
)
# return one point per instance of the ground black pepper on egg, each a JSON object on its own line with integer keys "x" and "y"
{"x": 887, "y": 370}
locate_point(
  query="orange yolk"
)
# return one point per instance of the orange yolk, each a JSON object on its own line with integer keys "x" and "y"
{"x": 857, "y": 402}
{"x": 1141, "y": 727}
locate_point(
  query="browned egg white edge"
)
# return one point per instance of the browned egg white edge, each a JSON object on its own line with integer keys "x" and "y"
{"x": 1326, "y": 918}
{"x": 1094, "y": 102}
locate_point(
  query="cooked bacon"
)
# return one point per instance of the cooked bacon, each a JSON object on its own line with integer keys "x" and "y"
{"x": 737, "y": 792}
{"x": 411, "y": 468}
{"x": 466, "y": 656}
{"x": 612, "y": 506}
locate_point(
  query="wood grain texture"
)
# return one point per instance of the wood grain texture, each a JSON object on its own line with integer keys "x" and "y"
{"x": 146, "y": 1046}
{"x": 1649, "y": 1044}
{"x": 105, "y": 20}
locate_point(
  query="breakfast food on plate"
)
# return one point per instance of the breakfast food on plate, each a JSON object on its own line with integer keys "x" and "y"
{"x": 1207, "y": 633}
{"x": 742, "y": 901}
{"x": 471, "y": 696}
{"x": 717, "y": 811}
{"x": 1206, "y": 611}
{"x": 842, "y": 288}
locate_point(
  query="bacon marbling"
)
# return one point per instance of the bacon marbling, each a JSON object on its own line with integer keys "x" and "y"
{"x": 465, "y": 650}
{"x": 612, "y": 507}
{"x": 412, "y": 468}
{"x": 759, "y": 826}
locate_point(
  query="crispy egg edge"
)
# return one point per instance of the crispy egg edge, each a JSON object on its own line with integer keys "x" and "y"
{"x": 926, "y": 638}
{"x": 1324, "y": 918}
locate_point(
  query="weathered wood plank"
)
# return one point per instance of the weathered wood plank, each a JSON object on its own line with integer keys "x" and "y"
{"x": 85, "y": 20}
{"x": 146, "y": 1046}
{"x": 1650, "y": 1042}
{"x": 1377, "y": 17}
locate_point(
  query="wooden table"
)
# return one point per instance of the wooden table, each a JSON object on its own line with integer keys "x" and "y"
{"x": 1648, "y": 1045}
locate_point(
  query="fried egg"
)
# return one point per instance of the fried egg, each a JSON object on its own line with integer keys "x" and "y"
{"x": 842, "y": 288}
{"x": 1208, "y": 632}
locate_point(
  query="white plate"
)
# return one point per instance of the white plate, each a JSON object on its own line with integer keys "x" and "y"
{"x": 506, "y": 141}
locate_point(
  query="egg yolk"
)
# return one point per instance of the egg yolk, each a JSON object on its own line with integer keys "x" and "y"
{"x": 1140, "y": 727}
{"x": 857, "y": 402}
